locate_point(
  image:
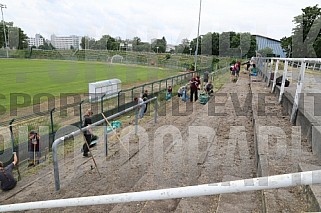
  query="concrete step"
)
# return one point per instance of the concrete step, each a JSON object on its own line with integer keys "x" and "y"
{"x": 312, "y": 192}
{"x": 239, "y": 202}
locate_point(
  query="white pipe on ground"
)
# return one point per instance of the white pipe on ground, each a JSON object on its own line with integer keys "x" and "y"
{"x": 271, "y": 182}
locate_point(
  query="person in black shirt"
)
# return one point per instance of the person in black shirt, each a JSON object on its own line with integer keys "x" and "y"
{"x": 209, "y": 88}
{"x": 6, "y": 178}
{"x": 88, "y": 133}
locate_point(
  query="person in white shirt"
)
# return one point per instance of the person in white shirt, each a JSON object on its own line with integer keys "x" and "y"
{"x": 141, "y": 107}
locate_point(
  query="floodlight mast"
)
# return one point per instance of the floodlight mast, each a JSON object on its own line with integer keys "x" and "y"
{"x": 4, "y": 29}
{"x": 198, "y": 33}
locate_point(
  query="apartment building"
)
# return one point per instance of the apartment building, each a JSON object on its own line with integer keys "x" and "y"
{"x": 36, "y": 41}
{"x": 65, "y": 42}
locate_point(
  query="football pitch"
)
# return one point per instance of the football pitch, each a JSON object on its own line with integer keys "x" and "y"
{"x": 56, "y": 77}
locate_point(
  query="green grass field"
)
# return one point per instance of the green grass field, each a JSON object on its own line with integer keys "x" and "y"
{"x": 57, "y": 77}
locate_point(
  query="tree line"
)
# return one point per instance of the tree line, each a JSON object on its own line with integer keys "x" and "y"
{"x": 305, "y": 41}
{"x": 107, "y": 42}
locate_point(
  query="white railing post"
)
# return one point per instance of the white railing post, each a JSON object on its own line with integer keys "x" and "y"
{"x": 270, "y": 73}
{"x": 283, "y": 80}
{"x": 266, "y": 69}
{"x": 298, "y": 93}
{"x": 275, "y": 75}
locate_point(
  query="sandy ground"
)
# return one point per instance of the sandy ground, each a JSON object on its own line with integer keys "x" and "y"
{"x": 190, "y": 144}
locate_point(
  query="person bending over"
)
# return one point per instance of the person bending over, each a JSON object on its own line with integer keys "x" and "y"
{"x": 6, "y": 177}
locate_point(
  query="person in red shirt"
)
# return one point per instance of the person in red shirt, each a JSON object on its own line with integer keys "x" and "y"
{"x": 194, "y": 84}
{"x": 34, "y": 148}
{"x": 238, "y": 68}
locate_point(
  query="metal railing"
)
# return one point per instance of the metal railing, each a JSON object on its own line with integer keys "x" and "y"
{"x": 79, "y": 131}
{"x": 254, "y": 184}
{"x": 53, "y": 117}
{"x": 265, "y": 68}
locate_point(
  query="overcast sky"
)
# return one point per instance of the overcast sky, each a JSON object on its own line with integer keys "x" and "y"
{"x": 174, "y": 19}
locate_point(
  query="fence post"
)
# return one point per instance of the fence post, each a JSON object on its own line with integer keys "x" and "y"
{"x": 80, "y": 112}
{"x": 52, "y": 122}
{"x": 136, "y": 120}
{"x": 118, "y": 107}
{"x": 102, "y": 102}
{"x": 106, "y": 139}
{"x": 166, "y": 84}
{"x": 153, "y": 88}
{"x": 283, "y": 80}
{"x": 297, "y": 93}
{"x": 11, "y": 133}
{"x": 156, "y": 111}
{"x": 275, "y": 75}
{"x": 132, "y": 98}
{"x": 269, "y": 74}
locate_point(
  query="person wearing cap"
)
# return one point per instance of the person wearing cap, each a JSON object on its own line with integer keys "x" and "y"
{"x": 88, "y": 133}
{"x": 7, "y": 180}
{"x": 34, "y": 148}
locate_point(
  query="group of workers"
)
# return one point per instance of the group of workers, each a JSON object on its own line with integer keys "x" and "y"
{"x": 7, "y": 179}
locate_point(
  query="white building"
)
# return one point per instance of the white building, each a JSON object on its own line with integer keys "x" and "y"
{"x": 264, "y": 42}
{"x": 37, "y": 41}
{"x": 65, "y": 42}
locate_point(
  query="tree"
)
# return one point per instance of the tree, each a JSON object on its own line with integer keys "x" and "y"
{"x": 206, "y": 44}
{"x": 215, "y": 43}
{"x": 252, "y": 51}
{"x": 246, "y": 47}
{"x": 136, "y": 42}
{"x": 159, "y": 45}
{"x": 142, "y": 47}
{"x": 266, "y": 52}
{"x": 184, "y": 47}
{"x": 306, "y": 33}
{"x": 87, "y": 43}
{"x": 286, "y": 44}
{"x": 224, "y": 44}
{"x": 16, "y": 38}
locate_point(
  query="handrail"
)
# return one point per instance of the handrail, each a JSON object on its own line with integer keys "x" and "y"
{"x": 79, "y": 131}
{"x": 254, "y": 184}
{"x": 318, "y": 60}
